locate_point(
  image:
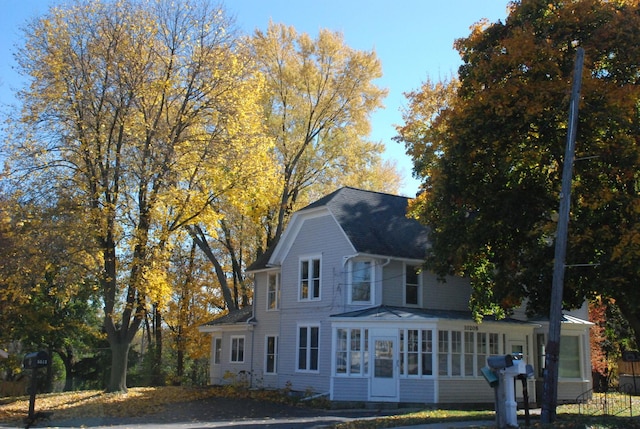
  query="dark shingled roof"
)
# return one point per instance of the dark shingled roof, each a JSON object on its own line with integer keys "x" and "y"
{"x": 237, "y": 316}
{"x": 376, "y": 223}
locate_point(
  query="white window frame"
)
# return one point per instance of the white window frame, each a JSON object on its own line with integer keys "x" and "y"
{"x": 273, "y": 296}
{"x": 469, "y": 348}
{"x": 240, "y": 339}
{"x": 311, "y": 279}
{"x": 418, "y": 285}
{"x": 356, "y": 271}
{"x": 217, "y": 350}
{"x": 352, "y": 352}
{"x": 456, "y": 341}
{"x": 468, "y": 354}
{"x": 268, "y": 353}
{"x": 562, "y": 356}
{"x": 308, "y": 348}
{"x": 422, "y": 348}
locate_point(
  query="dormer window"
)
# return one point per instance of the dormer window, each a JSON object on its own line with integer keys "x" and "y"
{"x": 361, "y": 290}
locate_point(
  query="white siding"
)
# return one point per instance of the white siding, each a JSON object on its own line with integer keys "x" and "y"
{"x": 268, "y": 323}
{"x": 317, "y": 236}
{"x": 393, "y": 281}
{"x": 452, "y": 295}
{"x": 228, "y": 372}
{"x": 465, "y": 391}
{"x": 350, "y": 389}
{"x": 419, "y": 391}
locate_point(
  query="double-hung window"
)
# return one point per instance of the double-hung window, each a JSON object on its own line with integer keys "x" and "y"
{"x": 308, "y": 348}
{"x": 309, "y": 279}
{"x": 217, "y": 350}
{"x": 237, "y": 349}
{"x": 271, "y": 355}
{"x": 273, "y": 291}
{"x": 362, "y": 276}
{"x": 569, "y": 366}
{"x": 412, "y": 285}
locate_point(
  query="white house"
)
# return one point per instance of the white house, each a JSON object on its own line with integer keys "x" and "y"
{"x": 342, "y": 308}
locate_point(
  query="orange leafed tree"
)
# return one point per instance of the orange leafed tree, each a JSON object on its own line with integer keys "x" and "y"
{"x": 491, "y": 157}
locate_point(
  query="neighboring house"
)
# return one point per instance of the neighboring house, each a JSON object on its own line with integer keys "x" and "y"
{"x": 342, "y": 308}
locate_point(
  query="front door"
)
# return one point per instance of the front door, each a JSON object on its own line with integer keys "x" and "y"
{"x": 384, "y": 380}
{"x": 516, "y": 347}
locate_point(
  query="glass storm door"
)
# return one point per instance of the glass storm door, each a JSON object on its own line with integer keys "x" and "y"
{"x": 384, "y": 380}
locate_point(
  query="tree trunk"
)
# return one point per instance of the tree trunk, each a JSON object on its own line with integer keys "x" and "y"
{"x": 119, "y": 359}
{"x": 157, "y": 378}
{"x": 67, "y": 359}
{"x": 180, "y": 354}
{"x": 199, "y": 237}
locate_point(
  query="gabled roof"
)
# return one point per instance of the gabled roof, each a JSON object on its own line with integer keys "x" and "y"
{"x": 375, "y": 223}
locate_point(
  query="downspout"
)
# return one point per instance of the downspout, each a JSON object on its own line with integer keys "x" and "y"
{"x": 382, "y": 278}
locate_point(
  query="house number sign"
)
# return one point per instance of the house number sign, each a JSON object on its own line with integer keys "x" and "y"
{"x": 470, "y": 327}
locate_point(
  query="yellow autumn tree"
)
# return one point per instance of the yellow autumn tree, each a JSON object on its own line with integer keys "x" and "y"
{"x": 319, "y": 94}
{"x": 147, "y": 112}
{"x": 319, "y": 98}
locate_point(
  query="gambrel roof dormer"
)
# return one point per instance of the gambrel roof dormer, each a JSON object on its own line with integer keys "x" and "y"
{"x": 375, "y": 223}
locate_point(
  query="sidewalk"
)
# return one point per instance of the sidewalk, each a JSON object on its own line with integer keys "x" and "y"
{"x": 450, "y": 425}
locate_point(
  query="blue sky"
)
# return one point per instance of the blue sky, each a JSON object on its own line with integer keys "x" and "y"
{"x": 413, "y": 39}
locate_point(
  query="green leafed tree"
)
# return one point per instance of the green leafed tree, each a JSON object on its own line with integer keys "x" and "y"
{"x": 491, "y": 151}
{"x": 48, "y": 286}
{"x": 147, "y": 112}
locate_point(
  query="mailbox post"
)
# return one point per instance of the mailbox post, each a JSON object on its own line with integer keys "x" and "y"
{"x": 33, "y": 361}
{"x": 506, "y": 369}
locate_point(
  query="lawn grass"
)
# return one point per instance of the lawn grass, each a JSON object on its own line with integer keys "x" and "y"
{"x": 568, "y": 417}
{"x": 150, "y": 400}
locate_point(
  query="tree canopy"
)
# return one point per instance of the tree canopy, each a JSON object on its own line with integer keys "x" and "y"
{"x": 320, "y": 94}
{"x": 182, "y": 146}
{"x": 489, "y": 148}
{"x": 147, "y": 112}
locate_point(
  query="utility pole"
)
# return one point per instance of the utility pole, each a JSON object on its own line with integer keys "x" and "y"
{"x": 550, "y": 387}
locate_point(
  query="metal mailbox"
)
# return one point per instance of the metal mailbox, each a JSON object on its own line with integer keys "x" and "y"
{"x": 500, "y": 361}
{"x": 35, "y": 360}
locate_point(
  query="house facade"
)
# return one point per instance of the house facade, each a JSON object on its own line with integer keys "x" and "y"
{"x": 343, "y": 308}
